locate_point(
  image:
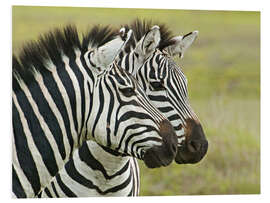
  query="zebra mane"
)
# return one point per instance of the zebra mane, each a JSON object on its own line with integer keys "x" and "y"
{"x": 51, "y": 46}
{"x": 140, "y": 27}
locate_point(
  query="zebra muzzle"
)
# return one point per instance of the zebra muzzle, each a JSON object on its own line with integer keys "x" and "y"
{"x": 195, "y": 146}
{"x": 164, "y": 154}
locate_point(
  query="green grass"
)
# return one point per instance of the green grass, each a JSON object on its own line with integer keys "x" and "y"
{"x": 223, "y": 70}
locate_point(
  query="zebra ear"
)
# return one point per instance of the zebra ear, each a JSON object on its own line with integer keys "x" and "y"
{"x": 103, "y": 56}
{"x": 149, "y": 42}
{"x": 181, "y": 44}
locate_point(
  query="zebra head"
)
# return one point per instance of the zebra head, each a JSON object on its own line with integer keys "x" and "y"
{"x": 125, "y": 121}
{"x": 166, "y": 86}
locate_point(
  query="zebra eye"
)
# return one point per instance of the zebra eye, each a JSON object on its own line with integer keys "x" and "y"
{"x": 128, "y": 92}
{"x": 157, "y": 86}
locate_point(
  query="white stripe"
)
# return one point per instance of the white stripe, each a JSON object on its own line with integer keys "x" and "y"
{"x": 58, "y": 188}
{"x": 44, "y": 127}
{"x": 66, "y": 99}
{"x": 56, "y": 112}
{"x": 87, "y": 59}
{"x": 78, "y": 189}
{"x": 86, "y": 90}
{"x": 43, "y": 172}
{"x": 133, "y": 166}
{"x": 76, "y": 88}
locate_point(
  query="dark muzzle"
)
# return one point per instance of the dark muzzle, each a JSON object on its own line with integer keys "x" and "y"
{"x": 194, "y": 147}
{"x": 162, "y": 155}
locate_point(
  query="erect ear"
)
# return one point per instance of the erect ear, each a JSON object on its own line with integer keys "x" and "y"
{"x": 181, "y": 44}
{"x": 149, "y": 42}
{"x": 103, "y": 56}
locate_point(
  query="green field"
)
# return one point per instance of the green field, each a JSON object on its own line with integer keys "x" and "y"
{"x": 223, "y": 70}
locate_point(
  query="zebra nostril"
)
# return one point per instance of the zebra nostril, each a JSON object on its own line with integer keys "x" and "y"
{"x": 194, "y": 146}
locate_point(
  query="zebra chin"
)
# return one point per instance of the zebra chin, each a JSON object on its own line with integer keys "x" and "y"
{"x": 195, "y": 146}
{"x": 164, "y": 154}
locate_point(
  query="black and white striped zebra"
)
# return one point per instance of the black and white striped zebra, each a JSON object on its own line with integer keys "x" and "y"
{"x": 61, "y": 98}
{"x": 95, "y": 170}
{"x": 151, "y": 61}
{"x": 130, "y": 60}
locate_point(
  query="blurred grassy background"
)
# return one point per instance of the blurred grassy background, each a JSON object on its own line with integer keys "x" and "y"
{"x": 223, "y": 69}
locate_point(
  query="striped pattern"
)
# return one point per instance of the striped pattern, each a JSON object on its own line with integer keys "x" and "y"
{"x": 166, "y": 87}
{"x": 58, "y": 103}
{"x": 161, "y": 78}
{"x": 94, "y": 171}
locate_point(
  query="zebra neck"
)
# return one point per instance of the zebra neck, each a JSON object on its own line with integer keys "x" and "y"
{"x": 110, "y": 162}
{"x": 79, "y": 90}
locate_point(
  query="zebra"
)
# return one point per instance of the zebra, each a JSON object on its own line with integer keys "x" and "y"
{"x": 191, "y": 151}
{"x": 61, "y": 98}
{"x": 151, "y": 62}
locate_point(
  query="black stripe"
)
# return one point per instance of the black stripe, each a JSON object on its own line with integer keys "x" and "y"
{"x": 76, "y": 176}
{"x": 64, "y": 188}
{"x": 87, "y": 69}
{"x": 91, "y": 63}
{"x": 100, "y": 109}
{"x": 174, "y": 117}
{"x": 127, "y": 141}
{"x": 90, "y": 109}
{"x": 132, "y": 114}
{"x": 54, "y": 190}
{"x": 179, "y": 86}
{"x": 111, "y": 105}
{"x": 49, "y": 116}
{"x": 146, "y": 68}
{"x": 89, "y": 159}
{"x": 112, "y": 152}
{"x": 39, "y": 137}
{"x": 16, "y": 185}
{"x": 133, "y": 181}
{"x": 121, "y": 171}
{"x": 24, "y": 155}
{"x": 133, "y": 63}
{"x": 57, "y": 97}
{"x": 165, "y": 109}
{"x": 176, "y": 102}
{"x": 67, "y": 83}
{"x": 80, "y": 79}
{"x": 48, "y": 193}
{"x": 130, "y": 194}
{"x": 131, "y": 128}
{"x": 159, "y": 98}
{"x": 142, "y": 80}
{"x": 126, "y": 65}
{"x": 144, "y": 140}
{"x": 152, "y": 72}
{"x": 119, "y": 187}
